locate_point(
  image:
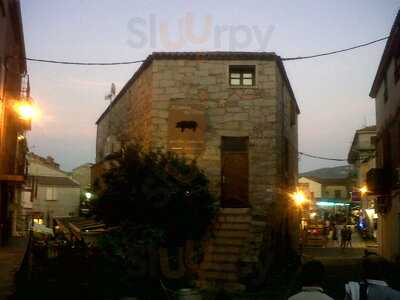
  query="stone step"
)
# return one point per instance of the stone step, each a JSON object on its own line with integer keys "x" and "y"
{"x": 220, "y": 276}
{"x": 233, "y": 219}
{"x": 223, "y": 249}
{"x": 221, "y": 258}
{"x": 234, "y": 211}
{"x": 232, "y": 226}
{"x": 222, "y": 241}
{"x": 239, "y": 234}
{"x": 224, "y": 267}
{"x": 229, "y": 286}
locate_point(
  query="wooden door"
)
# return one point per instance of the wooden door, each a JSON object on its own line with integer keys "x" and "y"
{"x": 234, "y": 172}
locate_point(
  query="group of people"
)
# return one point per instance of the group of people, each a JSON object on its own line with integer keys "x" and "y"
{"x": 371, "y": 286}
{"x": 345, "y": 236}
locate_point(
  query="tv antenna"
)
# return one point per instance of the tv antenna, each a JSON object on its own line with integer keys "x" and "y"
{"x": 111, "y": 95}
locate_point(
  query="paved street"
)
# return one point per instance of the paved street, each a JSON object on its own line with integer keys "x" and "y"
{"x": 342, "y": 265}
{"x": 10, "y": 261}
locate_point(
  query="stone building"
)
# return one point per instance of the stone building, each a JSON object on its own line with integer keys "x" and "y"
{"x": 384, "y": 181}
{"x": 14, "y": 90}
{"x": 82, "y": 174}
{"x": 362, "y": 157}
{"x": 235, "y": 114}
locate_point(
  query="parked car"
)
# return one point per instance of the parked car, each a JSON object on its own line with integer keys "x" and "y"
{"x": 315, "y": 236}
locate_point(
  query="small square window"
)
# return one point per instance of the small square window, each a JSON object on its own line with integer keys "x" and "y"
{"x": 242, "y": 75}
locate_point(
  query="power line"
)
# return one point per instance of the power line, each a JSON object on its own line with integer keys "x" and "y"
{"x": 81, "y": 63}
{"x": 334, "y": 52}
{"x": 333, "y": 159}
{"x": 322, "y": 157}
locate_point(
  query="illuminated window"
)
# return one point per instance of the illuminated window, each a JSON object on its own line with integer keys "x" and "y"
{"x": 38, "y": 221}
{"x": 242, "y": 75}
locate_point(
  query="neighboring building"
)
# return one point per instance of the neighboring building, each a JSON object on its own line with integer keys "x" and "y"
{"x": 362, "y": 157}
{"x": 236, "y": 114}
{"x": 384, "y": 181}
{"x": 52, "y": 192}
{"x": 330, "y": 197}
{"x": 312, "y": 186}
{"x": 82, "y": 174}
{"x": 325, "y": 189}
{"x": 14, "y": 90}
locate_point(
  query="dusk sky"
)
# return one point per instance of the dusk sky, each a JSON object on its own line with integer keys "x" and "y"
{"x": 332, "y": 91}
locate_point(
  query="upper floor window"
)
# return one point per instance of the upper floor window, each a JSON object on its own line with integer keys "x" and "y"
{"x": 51, "y": 193}
{"x": 242, "y": 75}
{"x": 338, "y": 194}
{"x": 373, "y": 140}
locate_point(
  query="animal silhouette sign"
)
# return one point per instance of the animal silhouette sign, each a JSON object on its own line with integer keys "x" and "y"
{"x": 187, "y": 125}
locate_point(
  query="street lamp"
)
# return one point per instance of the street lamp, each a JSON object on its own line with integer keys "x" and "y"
{"x": 364, "y": 190}
{"x": 298, "y": 197}
{"x": 25, "y": 110}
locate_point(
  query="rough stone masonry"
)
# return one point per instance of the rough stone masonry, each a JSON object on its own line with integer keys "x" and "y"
{"x": 195, "y": 87}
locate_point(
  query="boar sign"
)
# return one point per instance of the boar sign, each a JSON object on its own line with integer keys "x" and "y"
{"x": 186, "y": 125}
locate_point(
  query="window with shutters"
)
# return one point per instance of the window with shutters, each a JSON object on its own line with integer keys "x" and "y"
{"x": 51, "y": 194}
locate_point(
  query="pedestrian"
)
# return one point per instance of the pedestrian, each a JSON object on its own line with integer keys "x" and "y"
{"x": 334, "y": 234}
{"x": 343, "y": 237}
{"x": 348, "y": 240}
{"x": 372, "y": 286}
{"x": 312, "y": 276}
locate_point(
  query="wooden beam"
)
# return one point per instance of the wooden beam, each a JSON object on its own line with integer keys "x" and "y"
{"x": 14, "y": 178}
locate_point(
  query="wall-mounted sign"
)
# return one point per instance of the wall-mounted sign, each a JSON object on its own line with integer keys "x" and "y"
{"x": 186, "y": 129}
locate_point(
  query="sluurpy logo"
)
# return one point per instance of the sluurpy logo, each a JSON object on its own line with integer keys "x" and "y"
{"x": 182, "y": 33}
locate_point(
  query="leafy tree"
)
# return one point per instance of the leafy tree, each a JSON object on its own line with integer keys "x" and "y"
{"x": 160, "y": 196}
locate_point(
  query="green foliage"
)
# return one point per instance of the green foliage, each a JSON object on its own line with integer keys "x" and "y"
{"x": 157, "y": 193}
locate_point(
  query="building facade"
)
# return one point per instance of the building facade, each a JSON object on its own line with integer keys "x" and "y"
{"x": 51, "y": 191}
{"x": 362, "y": 157}
{"x": 14, "y": 89}
{"x": 235, "y": 114}
{"x": 82, "y": 175}
{"x": 386, "y": 186}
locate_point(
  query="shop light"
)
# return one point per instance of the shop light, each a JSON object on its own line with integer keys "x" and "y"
{"x": 325, "y": 203}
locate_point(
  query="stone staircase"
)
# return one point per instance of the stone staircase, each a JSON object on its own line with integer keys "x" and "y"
{"x": 223, "y": 253}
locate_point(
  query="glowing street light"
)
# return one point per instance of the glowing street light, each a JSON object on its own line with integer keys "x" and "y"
{"x": 25, "y": 110}
{"x": 88, "y": 195}
{"x": 364, "y": 190}
{"x": 298, "y": 197}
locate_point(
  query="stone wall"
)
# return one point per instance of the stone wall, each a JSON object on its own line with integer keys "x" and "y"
{"x": 128, "y": 118}
{"x": 254, "y": 112}
{"x": 265, "y": 113}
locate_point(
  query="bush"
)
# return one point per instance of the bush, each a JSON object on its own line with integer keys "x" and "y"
{"x": 160, "y": 196}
